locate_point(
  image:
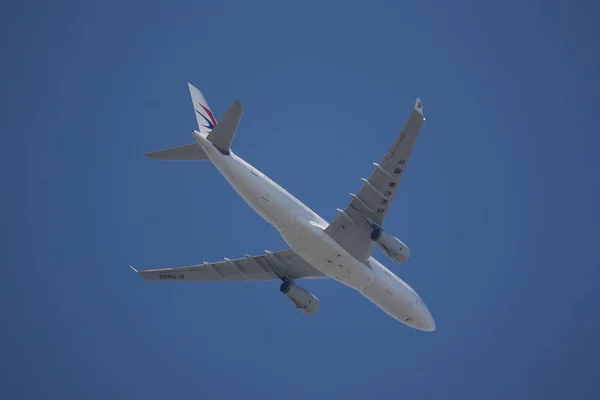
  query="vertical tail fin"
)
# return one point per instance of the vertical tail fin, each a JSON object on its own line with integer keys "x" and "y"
{"x": 220, "y": 135}
{"x": 204, "y": 116}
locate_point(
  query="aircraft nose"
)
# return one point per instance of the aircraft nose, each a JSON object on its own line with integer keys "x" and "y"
{"x": 423, "y": 320}
{"x": 430, "y": 323}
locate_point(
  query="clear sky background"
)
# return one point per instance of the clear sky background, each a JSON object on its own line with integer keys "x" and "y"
{"x": 499, "y": 204}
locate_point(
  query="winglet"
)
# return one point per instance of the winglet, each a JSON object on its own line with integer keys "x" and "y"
{"x": 134, "y": 270}
{"x": 419, "y": 107}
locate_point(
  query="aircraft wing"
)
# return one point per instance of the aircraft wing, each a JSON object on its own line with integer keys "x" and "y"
{"x": 350, "y": 228}
{"x": 285, "y": 263}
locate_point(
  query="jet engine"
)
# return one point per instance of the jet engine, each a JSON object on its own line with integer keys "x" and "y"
{"x": 302, "y": 299}
{"x": 391, "y": 245}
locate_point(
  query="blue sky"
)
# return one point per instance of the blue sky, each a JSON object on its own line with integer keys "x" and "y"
{"x": 499, "y": 203}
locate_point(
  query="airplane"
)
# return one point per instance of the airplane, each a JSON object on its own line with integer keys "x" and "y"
{"x": 340, "y": 250}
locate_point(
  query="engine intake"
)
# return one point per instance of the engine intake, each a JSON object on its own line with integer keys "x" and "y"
{"x": 391, "y": 245}
{"x": 302, "y": 299}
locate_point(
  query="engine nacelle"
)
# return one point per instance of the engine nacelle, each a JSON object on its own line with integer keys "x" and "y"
{"x": 391, "y": 246}
{"x": 302, "y": 299}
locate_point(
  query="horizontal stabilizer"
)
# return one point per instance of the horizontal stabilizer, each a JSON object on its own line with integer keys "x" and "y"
{"x": 223, "y": 133}
{"x": 187, "y": 152}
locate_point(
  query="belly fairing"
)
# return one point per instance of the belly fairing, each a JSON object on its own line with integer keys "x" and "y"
{"x": 309, "y": 240}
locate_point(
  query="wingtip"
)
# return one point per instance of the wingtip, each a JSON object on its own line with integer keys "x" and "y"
{"x": 419, "y": 106}
{"x": 134, "y": 270}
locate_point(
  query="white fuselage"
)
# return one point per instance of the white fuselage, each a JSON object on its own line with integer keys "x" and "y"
{"x": 304, "y": 231}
